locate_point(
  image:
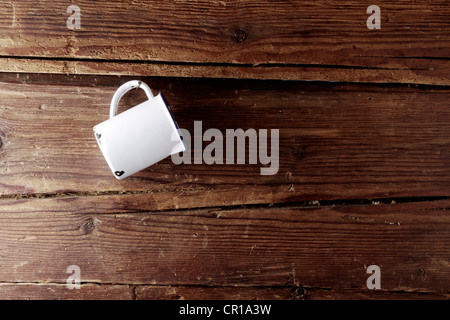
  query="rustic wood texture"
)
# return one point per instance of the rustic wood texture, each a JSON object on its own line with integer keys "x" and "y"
{"x": 46, "y": 291}
{"x": 288, "y": 39}
{"x": 364, "y": 151}
{"x": 58, "y": 291}
{"x": 295, "y": 246}
{"x": 336, "y": 141}
{"x": 436, "y": 74}
{"x": 291, "y": 247}
{"x": 276, "y": 293}
{"x": 52, "y": 291}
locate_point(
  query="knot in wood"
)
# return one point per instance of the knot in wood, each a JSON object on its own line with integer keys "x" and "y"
{"x": 239, "y": 35}
{"x": 89, "y": 225}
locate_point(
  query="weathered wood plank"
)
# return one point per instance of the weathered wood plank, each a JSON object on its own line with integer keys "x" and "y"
{"x": 336, "y": 141}
{"x": 435, "y": 75}
{"x": 312, "y": 247}
{"x": 213, "y": 293}
{"x": 275, "y": 293}
{"x": 321, "y": 294}
{"x": 145, "y": 292}
{"x": 54, "y": 291}
{"x": 413, "y": 37}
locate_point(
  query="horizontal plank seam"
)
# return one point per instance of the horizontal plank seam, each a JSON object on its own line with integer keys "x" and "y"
{"x": 89, "y": 194}
{"x": 390, "y": 85}
{"x": 212, "y": 64}
{"x": 386, "y": 83}
{"x": 290, "y": 204}
{"x": 237, "y": 286}
{"x": 305, "y": 204}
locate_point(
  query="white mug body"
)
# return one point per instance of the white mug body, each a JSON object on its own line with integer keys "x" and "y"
{"x": 139, "y": 137}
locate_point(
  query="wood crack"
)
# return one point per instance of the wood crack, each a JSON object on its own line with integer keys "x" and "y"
{"x": 326, "y": 72}
{"x": 213, "y": 64}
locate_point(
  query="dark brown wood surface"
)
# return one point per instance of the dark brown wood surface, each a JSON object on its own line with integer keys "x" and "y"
{"x": 301, "y": 40}
{"x": 337, "y": 141}
{"x": 289, "y": 247}
{"x": 364, "y": 151}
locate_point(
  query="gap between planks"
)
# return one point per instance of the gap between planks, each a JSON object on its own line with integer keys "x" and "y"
{"x": 290, "y": 204}
{"x": 261, "y": 71}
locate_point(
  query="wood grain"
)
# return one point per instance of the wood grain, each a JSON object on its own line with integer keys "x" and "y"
{"x": 337, "y": 141}
{"x": 209, "y": 36}
{"x": 56, "y": 291}
{"x": 435, "y": 75}
{"x": 364, "y": 150}
{"x": 276, "y": 293}
{"x": 326, "y": 247}
{"x": 146, "y": 292}
{"x": 52, "y": 291}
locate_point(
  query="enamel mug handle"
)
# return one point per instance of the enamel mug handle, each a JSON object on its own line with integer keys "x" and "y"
{"x": 130, "y": 85}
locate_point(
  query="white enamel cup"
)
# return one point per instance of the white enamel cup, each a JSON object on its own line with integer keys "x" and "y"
{"x": 139, "y": 137}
